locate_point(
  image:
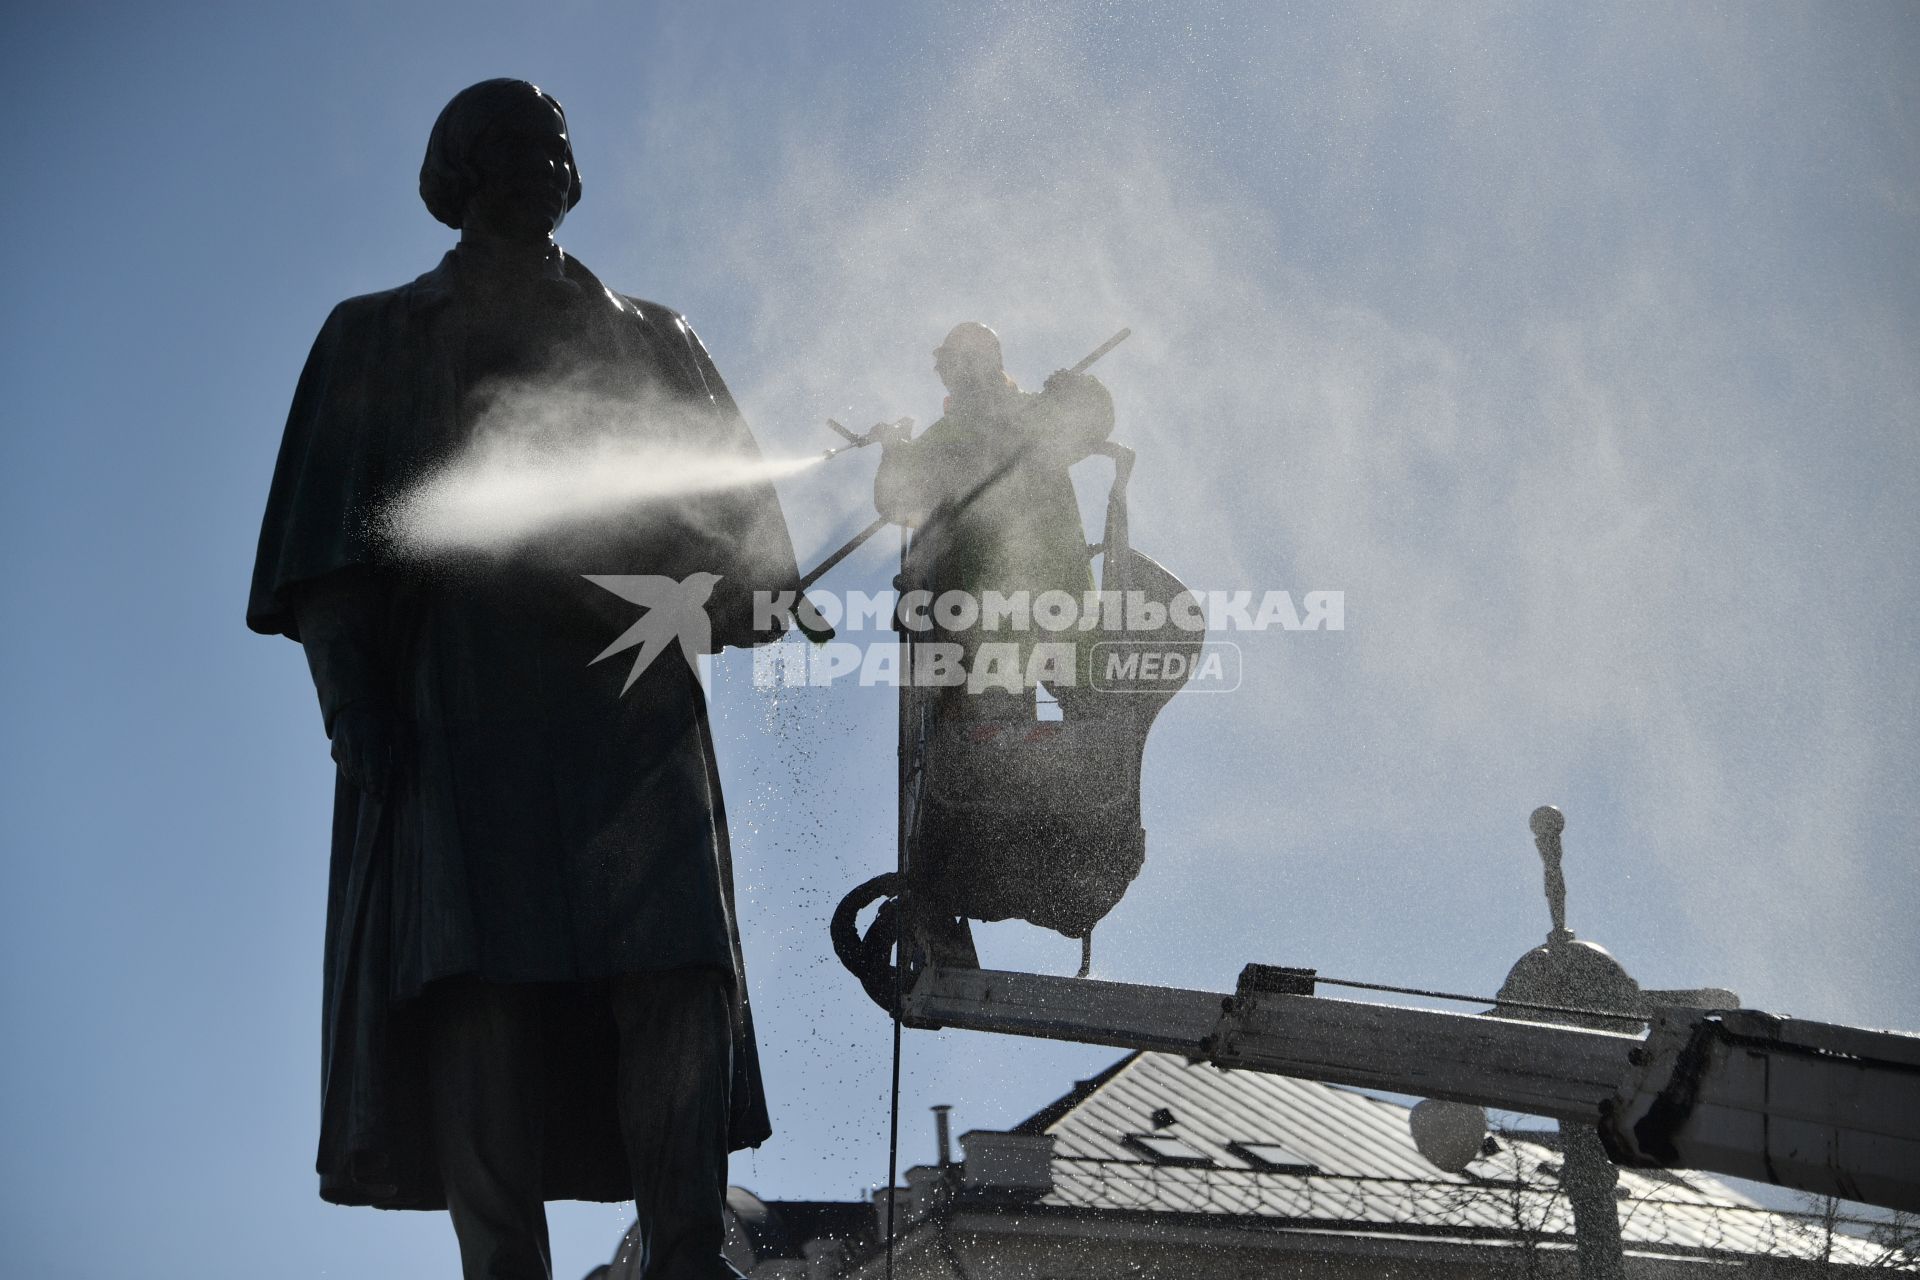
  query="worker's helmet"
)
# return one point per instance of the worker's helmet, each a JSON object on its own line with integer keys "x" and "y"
{"x": 969, "y": 357}
{"x": 973, "y": 342}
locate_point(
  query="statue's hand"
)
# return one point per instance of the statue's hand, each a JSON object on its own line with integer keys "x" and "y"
{"x": 364, "y": 747}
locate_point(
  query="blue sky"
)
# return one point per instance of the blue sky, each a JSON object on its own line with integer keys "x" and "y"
{"x": 1576, "y": 345}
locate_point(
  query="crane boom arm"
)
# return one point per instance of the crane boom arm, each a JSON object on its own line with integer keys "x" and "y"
{"x": 1828, "y": 1109}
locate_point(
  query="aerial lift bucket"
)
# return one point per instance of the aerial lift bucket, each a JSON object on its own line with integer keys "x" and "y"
{"x": 1020, "y": 818}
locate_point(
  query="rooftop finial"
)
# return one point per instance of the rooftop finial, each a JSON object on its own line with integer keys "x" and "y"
{"x": 1547, "y": 823}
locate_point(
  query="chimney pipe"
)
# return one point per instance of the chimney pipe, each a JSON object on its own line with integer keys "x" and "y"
{"x": 942, "y": 1134}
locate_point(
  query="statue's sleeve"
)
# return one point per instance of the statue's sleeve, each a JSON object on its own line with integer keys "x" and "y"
{"x": 340, "y": 617}
{"x": 748, "y": 531}
{"x": 327, "y": 477}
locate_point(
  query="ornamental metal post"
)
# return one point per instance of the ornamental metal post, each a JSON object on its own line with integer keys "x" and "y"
{"x": 1569, "y": 974}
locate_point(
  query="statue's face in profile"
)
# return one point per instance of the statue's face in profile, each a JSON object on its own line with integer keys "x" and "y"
{"x": 525, "y": 165}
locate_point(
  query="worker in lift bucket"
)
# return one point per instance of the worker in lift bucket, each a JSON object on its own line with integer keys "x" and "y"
{"x": 987, "y": 490}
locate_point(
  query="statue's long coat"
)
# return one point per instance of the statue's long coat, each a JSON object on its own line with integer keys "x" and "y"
{"x": 542, "y": 826}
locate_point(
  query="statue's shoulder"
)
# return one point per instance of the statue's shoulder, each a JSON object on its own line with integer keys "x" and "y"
{"x": 371, "y": 311}
{"x": 656, "y": 316}
{"x": 666, "y": 320}
{"x": 660, "y": 315}
{"x": 702, "y": 378}
{"x": 364, "y": 316}
{"x": 366, "y": 308}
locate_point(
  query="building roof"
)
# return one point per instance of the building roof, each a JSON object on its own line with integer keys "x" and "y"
{"x": 783, "y": 1228}
{"x": 1158, "y": 1152}
{"x": 1157, "y": 1134}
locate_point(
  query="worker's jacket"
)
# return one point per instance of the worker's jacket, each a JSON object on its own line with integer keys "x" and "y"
{"x": 988, "y": 491}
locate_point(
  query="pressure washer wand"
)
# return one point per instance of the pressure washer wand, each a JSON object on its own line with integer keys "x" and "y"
{"x": 1101, "y": 350}
{"x": 847, "y": 548}
{"x": 879, "y": 433}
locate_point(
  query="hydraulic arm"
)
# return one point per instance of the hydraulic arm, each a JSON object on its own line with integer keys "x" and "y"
{"x": 1823, "y": 1108}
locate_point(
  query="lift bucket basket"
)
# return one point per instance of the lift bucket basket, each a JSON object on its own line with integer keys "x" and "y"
{"x": 1040, "y": 820}
{"x": 1035, "y": 820}
{"x": 1025, "y": 819}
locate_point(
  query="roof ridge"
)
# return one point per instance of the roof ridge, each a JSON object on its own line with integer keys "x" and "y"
{"x": 1057, "y": 1110}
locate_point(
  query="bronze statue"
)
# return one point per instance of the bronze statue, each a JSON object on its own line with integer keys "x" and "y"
{"x": 533, "y": 987}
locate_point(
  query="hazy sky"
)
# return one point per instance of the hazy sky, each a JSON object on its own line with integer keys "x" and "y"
{"x": 1575, "y": 344}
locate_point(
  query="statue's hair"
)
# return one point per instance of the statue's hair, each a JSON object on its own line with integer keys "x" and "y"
{"x": 448, "y": 178}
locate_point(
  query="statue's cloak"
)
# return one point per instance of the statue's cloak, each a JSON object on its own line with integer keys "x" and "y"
{"x": 544, "y": 827}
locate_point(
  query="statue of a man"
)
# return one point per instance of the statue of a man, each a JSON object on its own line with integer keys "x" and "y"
{"x": 533, "y": 987}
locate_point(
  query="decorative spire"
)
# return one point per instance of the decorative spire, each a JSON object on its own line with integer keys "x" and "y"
{"x": 1547, "y": 823}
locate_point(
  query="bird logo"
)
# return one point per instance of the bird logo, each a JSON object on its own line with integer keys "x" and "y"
{"x": 674, "y": 611}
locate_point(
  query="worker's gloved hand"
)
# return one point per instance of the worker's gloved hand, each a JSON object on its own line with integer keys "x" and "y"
{"x": 365, "y": 746}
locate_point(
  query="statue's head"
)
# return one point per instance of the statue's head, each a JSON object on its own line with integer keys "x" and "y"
{"x": 969, "y": 359}
{"x": 499, "y": 161}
